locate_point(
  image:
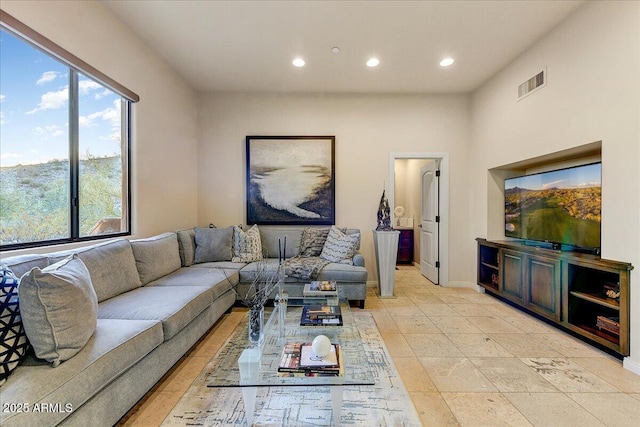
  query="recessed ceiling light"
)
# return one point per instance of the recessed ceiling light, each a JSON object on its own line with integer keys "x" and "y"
{"x": 335, "y": 49}
{"x": 373, "y": 62}
{"x": 446, "y": 62}
{"x": 298, "y": 62}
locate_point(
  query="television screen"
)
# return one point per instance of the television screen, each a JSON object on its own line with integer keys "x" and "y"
{"x": 561, "y": 206}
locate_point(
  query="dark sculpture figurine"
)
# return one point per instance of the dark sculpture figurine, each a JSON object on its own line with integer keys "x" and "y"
{"x": 384, "y": 215}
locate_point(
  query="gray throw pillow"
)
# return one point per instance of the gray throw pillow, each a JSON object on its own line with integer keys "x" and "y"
{"x": 59, "y": 309}
{"x": 213, "y": 244}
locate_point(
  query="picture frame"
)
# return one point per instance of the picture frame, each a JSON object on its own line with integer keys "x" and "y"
{"x": 290, "y": 180}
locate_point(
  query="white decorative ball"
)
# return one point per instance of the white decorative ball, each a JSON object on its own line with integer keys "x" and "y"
{"x": 321, "y": 346}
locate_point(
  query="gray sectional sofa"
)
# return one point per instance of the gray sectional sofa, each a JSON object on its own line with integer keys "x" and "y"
{"x": 154, "y": 304}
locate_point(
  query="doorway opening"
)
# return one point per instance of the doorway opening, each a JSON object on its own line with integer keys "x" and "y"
{"x": 409, "y": 191}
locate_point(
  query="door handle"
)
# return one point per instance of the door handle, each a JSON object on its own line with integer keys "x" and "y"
{"x": 420, "y": 225}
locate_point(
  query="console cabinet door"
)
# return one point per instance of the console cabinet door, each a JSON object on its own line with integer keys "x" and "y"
{"x": 543, "y": 286}
{"x": 513, "y": 269}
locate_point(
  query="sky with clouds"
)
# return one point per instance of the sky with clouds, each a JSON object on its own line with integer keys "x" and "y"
{"x": 584, "y": 176}
{"x": 34, "y": 108}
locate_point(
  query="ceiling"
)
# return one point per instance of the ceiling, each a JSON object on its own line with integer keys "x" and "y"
{"x": 248, "y": 46}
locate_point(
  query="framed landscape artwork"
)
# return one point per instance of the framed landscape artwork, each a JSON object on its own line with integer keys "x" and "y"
{"x": 290, "y": 180}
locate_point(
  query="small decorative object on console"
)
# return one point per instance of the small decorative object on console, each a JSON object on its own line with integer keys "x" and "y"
{"x": 612, "y": 290}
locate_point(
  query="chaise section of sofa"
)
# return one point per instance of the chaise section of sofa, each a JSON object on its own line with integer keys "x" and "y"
{"x": 151, "y": 311}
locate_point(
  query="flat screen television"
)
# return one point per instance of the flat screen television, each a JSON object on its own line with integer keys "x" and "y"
{"x": 561, "y": 207}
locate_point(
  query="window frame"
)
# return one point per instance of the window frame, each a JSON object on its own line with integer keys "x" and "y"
{"x": 127, "y": 98}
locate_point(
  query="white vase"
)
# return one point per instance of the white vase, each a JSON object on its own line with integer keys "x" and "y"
{"x": 386, "y": 246}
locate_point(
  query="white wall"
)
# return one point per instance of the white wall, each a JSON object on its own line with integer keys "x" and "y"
{"x": 592, "y": 94}
{"x": 165, "y": 127}
{"x": 367, "y": 129}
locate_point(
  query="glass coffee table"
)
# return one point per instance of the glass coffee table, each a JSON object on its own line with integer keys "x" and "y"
{"x": 251, "y": 367}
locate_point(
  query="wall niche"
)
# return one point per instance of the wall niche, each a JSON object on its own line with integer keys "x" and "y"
{"x": 581, "y": 155}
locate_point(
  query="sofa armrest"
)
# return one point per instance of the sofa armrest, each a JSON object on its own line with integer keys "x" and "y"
{"x": 358, "y": 260}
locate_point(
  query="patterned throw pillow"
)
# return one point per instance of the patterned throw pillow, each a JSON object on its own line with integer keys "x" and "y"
{"x": 247, "y": 246}
{"x": 312, "y": 241}
{"x": 340, "y": 247}
{"x": 13, "y": 340}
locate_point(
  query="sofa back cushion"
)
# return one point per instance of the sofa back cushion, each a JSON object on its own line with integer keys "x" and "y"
{"x": 187, "y": 246}
{"x": 156, "y": 256}
{"x": 112, "y": 268}
{"x": 21, "y": 264}
{"x": 272, "y": 236}
{"x": 59, "y": 309}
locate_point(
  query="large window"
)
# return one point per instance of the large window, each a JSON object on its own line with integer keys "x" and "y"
{"x": 64, "y": 150}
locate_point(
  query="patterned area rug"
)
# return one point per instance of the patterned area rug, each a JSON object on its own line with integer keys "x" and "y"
{"x": 387, "y": 403}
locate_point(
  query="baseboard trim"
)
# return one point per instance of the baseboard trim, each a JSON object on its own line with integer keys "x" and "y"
{"x": 464, "y": 284}
{"x": 631, "y": 365}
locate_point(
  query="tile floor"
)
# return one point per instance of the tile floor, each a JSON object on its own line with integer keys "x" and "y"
{"x": 467, "y": 359}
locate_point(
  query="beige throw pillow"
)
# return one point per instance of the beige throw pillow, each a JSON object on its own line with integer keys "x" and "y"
{"x": 247, "y": 246}
{"x": 59, "y": 309}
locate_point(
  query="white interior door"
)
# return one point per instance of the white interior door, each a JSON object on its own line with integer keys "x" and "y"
{"x": 429, "y": 241}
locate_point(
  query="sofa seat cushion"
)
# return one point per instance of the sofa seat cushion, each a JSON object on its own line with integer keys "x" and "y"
{"x": 343, "y": 273}
{"x": 216, "y": 279}
{"x": 225, "y": 265}
{"x": 115, "y": 347}
{"x": 174, "y": 306}
{"x": 248, "y": 272}
{"x": 156, "y": 256}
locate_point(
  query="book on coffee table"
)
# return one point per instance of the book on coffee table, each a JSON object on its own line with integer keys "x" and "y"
{"x": 298, "y": 359}
{"x": 321, "y": 315}
{"x": 320, "y": 288}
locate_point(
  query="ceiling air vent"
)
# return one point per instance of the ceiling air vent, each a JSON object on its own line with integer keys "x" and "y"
{"x": 533, "y": 84}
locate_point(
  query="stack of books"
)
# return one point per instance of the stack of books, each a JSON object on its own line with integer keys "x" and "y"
{"x": 321, "y": 315}
{"x": 298, "y": 360}
{"x": 320, "y": 288}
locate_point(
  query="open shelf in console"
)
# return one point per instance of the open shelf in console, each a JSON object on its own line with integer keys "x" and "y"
{"x": 489, "y": 266}
{"x": 597, "y": 302}
{"x": 589, "y": 307}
